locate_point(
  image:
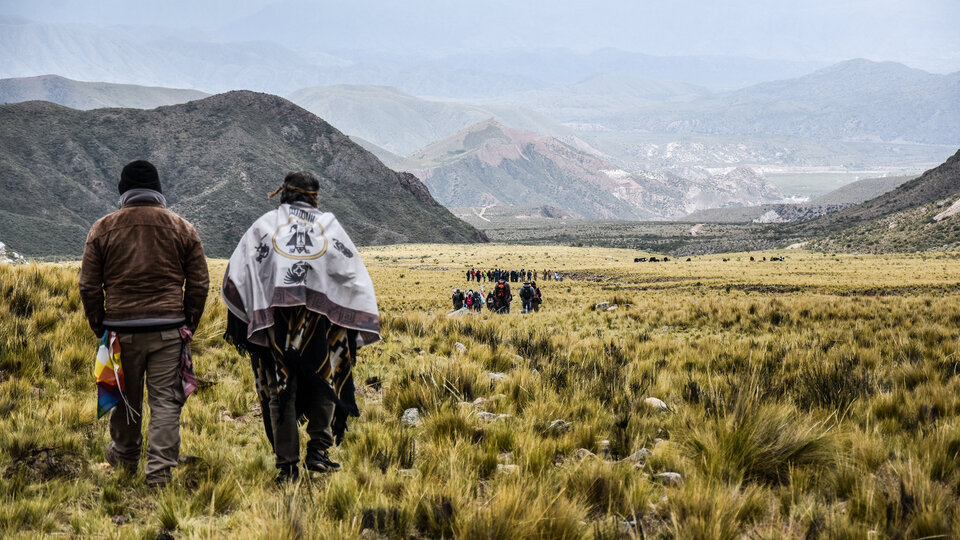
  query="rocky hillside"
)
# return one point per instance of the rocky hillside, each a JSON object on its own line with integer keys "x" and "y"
{"x": 91, "y": 95}
{"x": 8, "y": 256}
{"x": 741, "y": 186}
{"x": 765, "y": 213}
{"x": 490, "y": 163}
{"x": 218, "y": 159}
{"x": 920, "y": 215}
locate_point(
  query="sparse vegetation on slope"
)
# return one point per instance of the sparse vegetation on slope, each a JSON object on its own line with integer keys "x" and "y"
{"x": 815, "y": 397}
{"x": 218, "y": 159}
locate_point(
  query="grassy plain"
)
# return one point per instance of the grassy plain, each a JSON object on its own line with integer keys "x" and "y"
{"x": 815, "y": 397}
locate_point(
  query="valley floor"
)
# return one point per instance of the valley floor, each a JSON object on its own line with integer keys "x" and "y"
{"x": 814, "y": 397}
{"x": 673, "y": 238}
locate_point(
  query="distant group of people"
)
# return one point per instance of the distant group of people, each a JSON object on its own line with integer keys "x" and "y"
{"x": 512, "y": 276}
{"x": 499, "y": 298}
{"x": 471, "y": 299}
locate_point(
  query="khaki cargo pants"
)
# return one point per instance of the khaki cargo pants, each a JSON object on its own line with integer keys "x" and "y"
{"x": 156, "y": 357}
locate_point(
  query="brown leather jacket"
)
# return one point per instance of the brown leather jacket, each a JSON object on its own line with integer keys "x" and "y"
{"x": 143, "y": 265}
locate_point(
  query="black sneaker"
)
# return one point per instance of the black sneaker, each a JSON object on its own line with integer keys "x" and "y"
{"x": 287, "y": 474}
{"x": 319, "y": 461}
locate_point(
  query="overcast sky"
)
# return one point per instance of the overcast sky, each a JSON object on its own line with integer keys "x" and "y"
{"x": 920, "y": 33}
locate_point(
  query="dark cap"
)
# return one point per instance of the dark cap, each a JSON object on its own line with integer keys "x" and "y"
{"x": 139, "y": 174}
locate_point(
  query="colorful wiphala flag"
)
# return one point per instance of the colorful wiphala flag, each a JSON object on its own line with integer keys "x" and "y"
{"x": 109, "y": 374}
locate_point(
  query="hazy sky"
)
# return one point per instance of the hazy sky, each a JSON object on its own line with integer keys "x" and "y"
{"x": 920, "y": 33}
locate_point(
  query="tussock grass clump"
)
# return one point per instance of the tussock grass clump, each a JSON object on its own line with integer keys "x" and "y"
{"x": 427, "y": 385}
{"x": 759, "y": 442}
{"x": 706, "y": 509}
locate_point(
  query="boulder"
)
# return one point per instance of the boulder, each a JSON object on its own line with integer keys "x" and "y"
{"x": 558, "y": 426}
{"x": 669, "y": 478}
{"x": 583, "y": 454}
{"x": 640, "y": 456}
{"x": 411, "y": 417}
{"x": 656, "y": 403}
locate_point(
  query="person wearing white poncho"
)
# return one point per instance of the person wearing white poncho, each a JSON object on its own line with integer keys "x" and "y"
{"x": 300, "y": 302}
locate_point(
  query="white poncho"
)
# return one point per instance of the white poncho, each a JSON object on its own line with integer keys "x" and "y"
{"x": 297, "y": 255}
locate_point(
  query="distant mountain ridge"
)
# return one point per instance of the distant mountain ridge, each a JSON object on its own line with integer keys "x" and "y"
{"x": 218, "y": 159}
{"x": 402, "y": 123}
{"x": 91, "y": 95}
{"x": 856, "y": 100}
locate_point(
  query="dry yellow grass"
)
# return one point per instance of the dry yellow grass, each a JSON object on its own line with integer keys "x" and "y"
{"x": 818, "y": 396}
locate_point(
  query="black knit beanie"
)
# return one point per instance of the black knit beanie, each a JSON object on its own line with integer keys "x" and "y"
{"x": 139, "y": 174}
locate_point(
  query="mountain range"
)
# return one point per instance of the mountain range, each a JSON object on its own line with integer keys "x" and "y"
{"x": 88, "y": 95}
{"x": 218, "y": 159}
{"x": 402, "y": 123}
{"x": 489, "y": 163}
{"x": 855, "y": 100}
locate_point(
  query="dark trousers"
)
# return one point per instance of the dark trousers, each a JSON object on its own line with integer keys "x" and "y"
{"x": 283, "y": 419}
{"x": 154, "y": 356}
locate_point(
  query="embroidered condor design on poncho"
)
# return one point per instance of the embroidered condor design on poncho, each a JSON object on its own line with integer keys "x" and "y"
{"x": 297, "y": 269}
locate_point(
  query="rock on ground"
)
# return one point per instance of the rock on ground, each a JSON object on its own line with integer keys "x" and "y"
{"x": 670, "y": 478}
{"x": 411, "y": 417}
{"x": 559, "y": 426}
{"x": 656, "y": 403}
{"x": 639, "y": 456}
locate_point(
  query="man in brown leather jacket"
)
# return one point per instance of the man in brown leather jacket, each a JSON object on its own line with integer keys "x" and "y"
{"x": 144, "y": 276}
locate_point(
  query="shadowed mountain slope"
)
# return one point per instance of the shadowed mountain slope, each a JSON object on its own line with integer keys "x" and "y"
{"x": 218, "y": 159}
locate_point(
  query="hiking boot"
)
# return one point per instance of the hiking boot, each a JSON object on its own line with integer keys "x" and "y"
{"x": 115, "y": 461}
{"x": 319, "y": 461}
{"x": 159, "y": 480}
{"x": 287, "y": 474}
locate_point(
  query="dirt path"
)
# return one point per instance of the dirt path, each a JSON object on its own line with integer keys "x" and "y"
{"x": 481, "y": 212}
